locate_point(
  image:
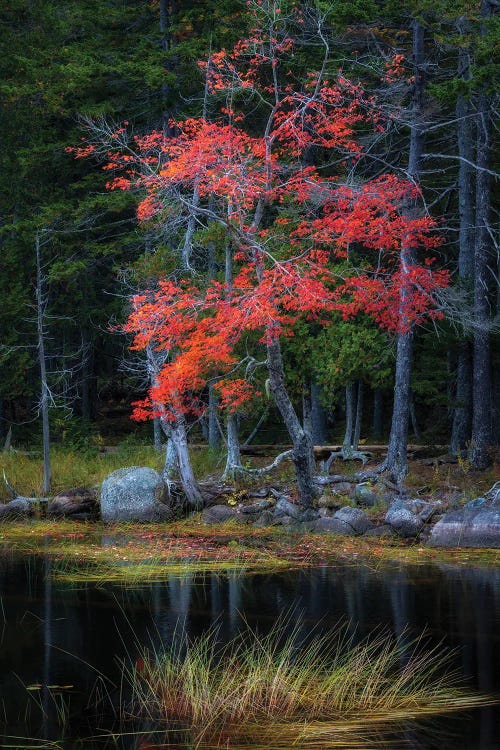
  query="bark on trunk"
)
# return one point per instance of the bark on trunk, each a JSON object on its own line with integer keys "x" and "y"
{"x": 481, "y": 379}
{"x": 318, "y": 416}
{"x": 349, "y": 420}
{"x": 213, "y": 427}
{"x": 302, "y": 452}
{"x": 45, "y": 394}
{"x": 233, "y": 461}
{"x": 461, "y": 428}
{"x": 413, "y": 416}
{"x": 157, "y": 434}
{"x": 378, "y": 413}
{"x": 188, "y": 481}
{"x": 170, "y": 466}
{"x": 462, "y": 415}
{"x": 396, "y": 462}
{"x": 307, "y": 409}
{"x": 359, "y": 415}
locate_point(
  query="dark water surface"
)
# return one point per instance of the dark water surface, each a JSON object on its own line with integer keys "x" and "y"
{"x": 57, "y": 634}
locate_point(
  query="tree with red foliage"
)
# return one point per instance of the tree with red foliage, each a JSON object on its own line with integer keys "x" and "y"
{"x": 306, "y": 243}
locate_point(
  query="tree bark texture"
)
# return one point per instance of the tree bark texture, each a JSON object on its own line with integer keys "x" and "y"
{"x": 302, "y": 452}
{"x": 396, "y": 462}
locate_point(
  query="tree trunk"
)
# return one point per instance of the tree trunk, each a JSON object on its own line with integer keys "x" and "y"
{"x": 188, "y": 481}
{"x": 462, "y": 415}
{"x": 213, "y": 426}
{"x": 233, "y": 461}
{"x": 413, "y": 416}
{"x": 481, "y": 377}
{"x": 396, "y": 462}
{"x": 45, "y": 393}
{"x": 349, "y": 420}
{"x": 157, "y": 434}
{"x": 378, "y": 413}
{"x": 318, "y": 416}
{"x": 307, "y": 409}
{"x": 302, "y": 452}
{"x": 170, "y": 465}
{"x": 359, "y": 415}
{"x": 461, "y": 428}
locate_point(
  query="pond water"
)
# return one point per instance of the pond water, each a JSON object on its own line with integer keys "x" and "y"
{"x": 55, "y": 634}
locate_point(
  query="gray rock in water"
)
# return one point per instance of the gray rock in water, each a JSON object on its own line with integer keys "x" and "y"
{"x": 219, "y": 514}
{"x": 469, "y": 527}
{"x": 355, "y": 518}
{"x": 21, "y": 507}
{"x": 403, "y": 520}
{"x": 137, "y": 493}
{"x": 332, "y": 526}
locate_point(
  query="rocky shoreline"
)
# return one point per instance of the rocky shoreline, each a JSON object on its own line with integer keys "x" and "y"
{"x": 371, "y": 509}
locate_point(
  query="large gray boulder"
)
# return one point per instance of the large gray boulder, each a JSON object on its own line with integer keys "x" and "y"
{"x": 469, "y": 527}
{"x": 219, "y": 514}
{"x": 356, "y": 519}
{"x": 403, "y": 519}
{"x": 137, "y": 493}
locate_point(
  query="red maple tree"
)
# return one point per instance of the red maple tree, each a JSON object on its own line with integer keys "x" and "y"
{"x": 306, "y": 239}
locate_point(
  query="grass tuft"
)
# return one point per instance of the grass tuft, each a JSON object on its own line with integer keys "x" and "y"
{"x": 274, "y": 691}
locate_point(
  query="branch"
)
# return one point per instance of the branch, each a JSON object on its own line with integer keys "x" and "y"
{"x": 265, "y": 469}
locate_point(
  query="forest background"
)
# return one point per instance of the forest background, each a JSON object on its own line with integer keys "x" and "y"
{"x": 72, "y": 252}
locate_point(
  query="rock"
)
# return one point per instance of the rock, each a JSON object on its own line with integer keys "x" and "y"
{"x": 332, "y": 526}
{"x": 287, "y": 508}
{"x": 219, "y": 514}
{"x": 214, "y": 493}
{"x": 403, "y": 520}
{"x": 478, "y": 502}
{"x": 80, "y": 502}
{"x": 326, "y": 501}
{"x": 366, "y": 494}
{"x": 309, "y": 515}
{"x": 260, "y": 493}
{"x": 379, "y": 531}
{"x": 341, "y": 488}
{"x": 256, "y": 508}
{"x": 137, "y": 493}
{"x": 265, "y": 519}
{"x": 21, "y": 507}
{"x": 469, "y": 527}
{"x": 355, "y": 517}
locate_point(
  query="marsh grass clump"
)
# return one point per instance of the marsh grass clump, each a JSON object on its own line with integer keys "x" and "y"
{"x": 278, "y": 692}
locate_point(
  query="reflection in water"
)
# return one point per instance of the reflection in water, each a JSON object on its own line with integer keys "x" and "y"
{"x": 55, "y": 634}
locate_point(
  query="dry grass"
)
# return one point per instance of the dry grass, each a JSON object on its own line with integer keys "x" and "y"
{"x": 276, "y": 692}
